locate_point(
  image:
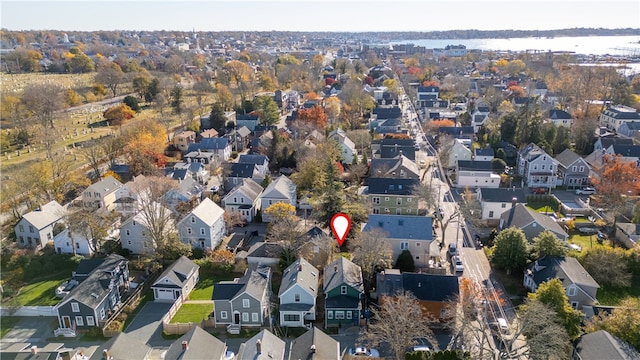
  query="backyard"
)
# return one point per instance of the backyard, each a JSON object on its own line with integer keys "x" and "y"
{"x": 204, "y": 287}
{"x": 192, "y": 313}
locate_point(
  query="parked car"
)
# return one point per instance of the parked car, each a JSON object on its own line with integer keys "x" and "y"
{"x": 453, "y": 250}
{"x": 363, "y": 351}
{"x": 586, "y": 191}
{"x": 539, "y": 190}
{"x": 457, "y": 263}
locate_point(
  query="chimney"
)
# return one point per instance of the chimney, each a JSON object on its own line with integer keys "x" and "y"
{"x": 34, "y": 350}
{"x": 105, "y": 354}
{"x": 299, "y": 267}
{"x": 259, "y": 346}
{"x": 419, "y": 284}
{"x": 335, "y": 268}
{"x": 185, "y": 345}
{"x": 514, "y": 200}
{"x": 313, "y": 349}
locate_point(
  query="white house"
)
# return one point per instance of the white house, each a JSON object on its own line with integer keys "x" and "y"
{"x": 496, "y": 201}
{"x": 483, "y": 154}
{"x": 65, "y": 241}
{"x": 35, "y": 228}
{"x": 457, "y": 152}
{"x": 614, "y": 116}
{"x": 204, "y": 226}
{"x": 244, "y": 199}
{"x": 298, "y": 292}
{"x": 349, "y": 151}
{"x": 280, "y": 190}
{"x": 560, "y": 118}
{"x": 101, "y": 194}
{"x": 177, "y": 281}
{"x": 538, "y": 168}
{"x": 476, "y": 174}
{"x": 135, "y": 234}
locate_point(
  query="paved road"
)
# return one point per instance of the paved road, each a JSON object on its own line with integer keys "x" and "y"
{"x": 147, "y": 325}
{"x": 31, "y": 330}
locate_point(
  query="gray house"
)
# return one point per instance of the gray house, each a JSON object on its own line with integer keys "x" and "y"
{"x": 314, "y": 344}
{"x": 96, "y": 295}
{"x": 343, "y": 291}
{"x": 580, "y": 286}
{"x": 35, "y": 228}
{"x": 243, "y": 301}
{"x": 196, "y": 344}
{"x": 298, "y": 292}
{"x": 122, "y": 346}
{"x": 263, "y": 346}
{"x": 602, "y": 345}
{"x": 572, "y": 169}
{"x": 204, "y": 226}
{"x": 176, "y": 281}
{"x": 531, "y": 222}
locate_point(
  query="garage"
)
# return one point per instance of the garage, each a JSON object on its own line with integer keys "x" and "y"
{"x": 165, "y": 294}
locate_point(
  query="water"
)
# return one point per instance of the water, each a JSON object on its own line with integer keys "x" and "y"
{"x": 587, "y": 45}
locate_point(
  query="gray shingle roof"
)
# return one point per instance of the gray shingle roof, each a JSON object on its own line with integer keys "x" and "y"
{"x": 401, "y": 226}
{"x": 280, "y": 188}
{"x": 242, "y": 170}
{"x": 122, "y": 346}
{"x": 342, "y": 271}
{"x": 254, "y": 282}
{"x": 272, "y": 348}
{"x": 248, "y": 187}
{"x": 602, "y": 345}
{"x": 46, "y": 215}
{"x": 179, "y": 271}
{"x": 523, "y": 216}
{"x": 567, "y": 157}
{"x": 566, "y": 268}
{"x": 200, "y": 345}
{"x": 426, "y": 287}
{"x": 502, "y": 195}
{"x": 253, "y": 159}
{"x": 300, "y": 273}
{"x": 325, "y": 347}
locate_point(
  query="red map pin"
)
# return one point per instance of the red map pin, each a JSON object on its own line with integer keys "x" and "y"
{"x": 340, "y": 226}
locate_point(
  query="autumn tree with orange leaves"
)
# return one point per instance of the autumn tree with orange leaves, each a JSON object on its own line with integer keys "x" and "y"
{"x": 314, "y": 116}
{"x": 617, "y": 179}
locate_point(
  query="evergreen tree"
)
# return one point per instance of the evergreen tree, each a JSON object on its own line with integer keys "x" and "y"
{"x": 333, "y": 194}
{"x": 216, "y": 117}
{"x": 405, "y": 262}
{"x": 510, "y": 250}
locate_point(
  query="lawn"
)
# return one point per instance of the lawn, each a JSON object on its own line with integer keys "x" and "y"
{"x": 192, "y": 313}
{"x": 612, "y": 296}
{"x": 7, "y": 323}
{"x": 204, "y": 287}
{"x": 42, "y": 292}
{"x": 586, "y": 241}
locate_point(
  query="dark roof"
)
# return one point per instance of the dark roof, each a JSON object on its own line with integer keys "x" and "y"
{"x": 389, "y": 151}
{"x": 86, "y": 266}
{"x": 456, "y": 130}
{"x": 387, "y": 112}
{"x": 400, "y": 186}
{"x": 623, "y": 114}
{"x": 627, "y": 150}
{"x": 502, "y": 195}
{"x": 96, "y": 286}
{"x": 632, "y": 125}
{"x": 241, "y": 170}
{"x": 475, "y": 165}
{"x": 565, "y": 268}
{"x": 122, "y": 346}
{"x": 342, "y": 302}
{"x": 559, "y": 115}
{"x": 253, "y": 159}
{"x": 226, "y": 291}
{"x": 246, "y": 117}
{"x": 428, "y": 89}
{"x": 608, "y": 141}
{"x": 200, "y": 345}
{"x": 209, "y": 144}
{"x": 315, "y": 232}
{"x": 413, "y": 227}
{"x": 325, "y": 347}
{"x": 265, "y": 249}
{"x": 425, "y": 287}
{"x": 179, "y": 174}
{"x": 485, "y": 152}
{"x": 602, "y": 345}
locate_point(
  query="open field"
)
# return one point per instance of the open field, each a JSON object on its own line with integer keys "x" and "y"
{"x": 192, "y": 313}
{"x": 14, "y": 84}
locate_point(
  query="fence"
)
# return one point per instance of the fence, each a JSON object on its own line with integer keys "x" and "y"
{"x": 29, "y": 311}
{"x": 183, "y": 328}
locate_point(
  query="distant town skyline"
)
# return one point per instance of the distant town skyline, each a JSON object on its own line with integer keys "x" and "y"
{"x": 312, "y": 15}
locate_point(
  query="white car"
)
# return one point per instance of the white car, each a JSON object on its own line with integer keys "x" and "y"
{"x": 363, "y": 351}
{"x": 586, "y": 191}
{"x": 458, "y": 264}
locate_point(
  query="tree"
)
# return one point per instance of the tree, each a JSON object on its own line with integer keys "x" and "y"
{"x": 371, "y": 250}
{"x": 141, "y": 84}
{"x": 314, "y": 116}
{"x": 176, "y": 99}
{"x": 562, "y": 140}
{"x": 131, "y": 102}
{"x": 548, "y": 244}
{"x": 110, "y": 75}
{"x": 623, "y": 322}
{"x": 93, "y": 154}
{"x": 216, "y": 117}
{"x": 242, "y": 75}
{"x": 510, "y": 250}
{"x": 42, "y": 101}
{"x": 552, "y": 294}
{"x": 401, "y": 321}
{"x": 284, "y": 225}
{"x": 119, "y": 114}
{"x": 267, "y": 110}
{"x": 332, "y": 195}
{"x": 607, "y": 266}
{"x": 81, "y": 63}
{"x": 616, "y": 179}
{"x": 152, "y": 90}
{"x": 225, "y": 97}
{"x": 91, "y": 225}
{"x": 332, "y": 107}
{"x": 546, "y": 337}
{"x": 405, "y": 262}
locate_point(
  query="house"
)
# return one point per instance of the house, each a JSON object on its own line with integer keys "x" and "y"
{"x": 449, "y": 51}
{"x": 476, "y": 174}
{"x": 388, "y": 126}
{"x": 261, "y": 162}
{"x": 603, "y": 143}
{"x": 483, "y": 154}
{"x": 426, "y": 93}
{"x": 135, "y": 232}
{"x": 264, "y": 253}
{"x": 183, "y": 139}
{"x": 458, "y": 132}
{"x": 243, "y": 199}
{"x": 629, "y": 153}
{"x": 405, "y": 232}
{"x": 314, "y": 345}
{"x": 630, "y": 129}
{"x": 187, "y": 191}
{"x": 204, "y": 226}
{"x": 580, "y": 287}
{"x": 457, "y": 152}
{"x": 391, "y": 148}
{"x": 205, "y": 121}
{"x": 396, "y": 168}
{"x": 249, "y": 121}
{"x": 313, "y": 248}
{"x": 122, "y": 346}
{"x": 220, "y": 147}
{"x": 101, "y": 194}
{"x": 196, "y": 170}
{"x": 66, "y": 241}
{"x": 280, "y": 190}
{"x": 97, "y": 295}
{"x": 496, "y": 201}
{"x": 559, "y": 118}
{"x": 393, "y": 195}
{"x": 434, "y": 292}
{"x": 26, "y": 351}
{"x": 531, "y": 222}
{"x": 347, "y": 146}
{"x": 298, "y": 292}
{"x": 239, "y": 172}
{"x": 243, "y": 302}
{"x": 521, "y": 101}
{"x": 613, "y": 117}
{"x": 263, "y": 346}
{"x": 35, "y": 229}
{"x": 628, "y": 234}
{"x": 538, "y": 168}
{"x": 200, "y": 156}
{"x": 343, "y": 290}
{"x": 196, "y": 344}
{"x": 602, "y": 345}
{"x": 176, "y": 281}
{"x": 573, "y": 170}
{"x": 239, "y": 138}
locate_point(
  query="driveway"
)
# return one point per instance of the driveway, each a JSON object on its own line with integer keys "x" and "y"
{"x": 32, "y": 330}
{"x": 147, "y": 325}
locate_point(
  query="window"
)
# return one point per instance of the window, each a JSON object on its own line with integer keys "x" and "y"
{"x": 543, "y": 166}
{"x": 408, "y": 199}
{"x": 189, "y": 231}
{"x": 79, "y": 321}
{"x": 245, "y": 317}
{"x": 339, "y": 315}
{"x": 398, "y": 211}
{"x": 129, "y": 242}
{"x": 235, "y": 200}
{"x": 254, "y": 317}
{"x": 399, "y": 201}
{"x": 245, "y": 303}
{"x": 574, "y": 304}
{"x": 101, "y": 314}
{"x": 201, "y": 231}
{"x": 128, "y": 232}
{"x": 223, "y": 315}
{"x": 349, "y": 315}
{"x": 574, "y": 168}
{"x": 443, "y": 313}
{"x": 376, "y": 200}
{"x": 571, "y": 291}
{"x": 134, "y": 223}
{"x": 21, "y": 228}
{"x": 291, "y": 317}
{"x": 30, "y": 228}
{"x": 418, "y": 244}
{"x": 22, "y": 240}
{"x": 343, "y": 290}
{"x": 96, "y": 195}
{"x": 404, "y": 246}
{"x": 490, "y": 214}
{"x": 297, "y": 297}
{"x": 329, "y": 315}
{"x": 504, "y": 205}
{"x": 386, "y": 198}
{"x": 75, "y": 307}
{"x": 193, "y": 219}
{"x": 581, "y": 168}
{"x": 376, "y": 211}
{"x": 88, "y": 194}
{"x": 77, "y": 245}
{"x": 90, "y": 321}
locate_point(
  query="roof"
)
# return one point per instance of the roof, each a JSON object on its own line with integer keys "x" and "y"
{"x": 523, "y": 216}
{"x": 207, "y": 211}
{"x": 179, "y": 174}
{"x": 475, "y": 165}
{"x": 280, "y": 188}
{"x": 555, "y": 114}
{"x": 602, "y": 345}
{"x": 248, "y": 188}
{"x": 105, "y": 186}
{"x": 387, "y": 166}
{"x": 254, "y": 282}
{"x": 179, "y": 271}
{"x": 243, "y": 131}
{"x": 484, "y": 152}
{"x": 502, "y": 195}
{"x": 425, "y": 287}
{"x": 315, "y": 232}
{"x": 391, "y": 151}
{"x": 384, "y": 112}
{"x": 200, "y": 345}
{"x": 208, "y": 144}
{"x": 95, "y": 287}
{"x": 243, "y": 170}
{"x": 622, "y": 113}
{"x": 608, "y": 141}
{"x": 401, "y": 186}
{"x": 626, "y": 150}
{"x": 253, "y": 159}
{"x": 122, "y": 346}
{"x": 45, "y": 215}
{"x": 272, "y": 347}
{"x": 567, "y": 157}
{"x": 324, "y": 346}
{"x": 265, "y": 249}
{"x": 566, "y": 268}
{"x": 300, "y": 273}
{"x": 456, "y": 130}
{"x": 632, "y": 125}
{"x": 342, "y": 271}
{"x": 401, "y": 226}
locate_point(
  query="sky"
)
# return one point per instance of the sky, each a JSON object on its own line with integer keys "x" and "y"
{"x": 312, "y": 15}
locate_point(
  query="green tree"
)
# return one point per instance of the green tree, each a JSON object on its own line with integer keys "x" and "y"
{"x": 623, "y": 322}
{"x": 548, "y": 244}
{"x": 110, "y": 75}
{"x": 508, "y": 127}
{"x": 131, "y": 102}
{"x": 152, "y": 90}
{"x": 216, "y": 117}
{"x": 553, "y": 294}
{"x": 140, "y": 85}
{"x": 81, "y": 63}
{"x": 510, "y": 250}
{"x": 562, "y": 140}
{"x": 405, "y": 262}
{"x": 607, "y": 266}
{"x": 333, "y": 193}
{"x": 267, "y": 108}
{"x": 176, "y": 99}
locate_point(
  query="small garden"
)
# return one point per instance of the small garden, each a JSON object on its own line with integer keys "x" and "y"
{"x": 192, "y": 313}
{"x": 208, "y": 277}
